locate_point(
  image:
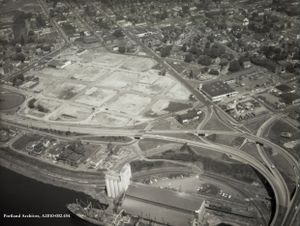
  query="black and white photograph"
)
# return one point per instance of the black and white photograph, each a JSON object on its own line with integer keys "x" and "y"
{"x": 150, "y": 112}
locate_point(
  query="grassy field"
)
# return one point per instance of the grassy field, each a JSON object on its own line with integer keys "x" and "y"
{"x": 148, "y": 143}
{"x": 285, "y": 170}
{"x": 228, "y": 140}
{"x": 235, "y": 170}
{"x": 177, "y": 106}
{"x": 21, "y": 143}
{"x": 10, "y": 100}
{"x": 250, "y": 148}
{"x": 215, "y": 124}
{"x": 280, "y": 126}
{"x": 187, "y": 136}
{"x": 254, "y": 126}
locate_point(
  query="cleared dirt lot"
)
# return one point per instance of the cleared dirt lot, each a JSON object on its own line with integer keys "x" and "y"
{"x": 71, "y": 112}
{"x": 63, "y": 73}
{"x": 91, "y": 74}
{"x": 178, "y": 92}
{"x": 108, "y": 119}
{"x": 118, "y": 79}
{"x": 44, "y": 84}
{"x": 96, "y": 96}
{"x": 66, "y": 90}
{"x": 155, "y": 88}
{"x": 107, "y": 58}
{"x": 130, "y": 103}
{"x": 149, "y": 79}
{"x": 139, "y": 64}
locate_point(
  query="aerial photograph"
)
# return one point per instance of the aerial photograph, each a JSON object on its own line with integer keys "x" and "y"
{"x": 150, "y": 112}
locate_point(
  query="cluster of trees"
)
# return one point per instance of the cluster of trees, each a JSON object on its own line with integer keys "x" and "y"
{"x": 165, "y": 51}
{"x": 137, "y": 165}
{"x": 274, "y": 53}
{"x": 102, "y": 24}
{"x": 118, "y": 33}
{"x": 264, "y": 63}
{"x": 234, "y": 66}
{"x": 203, "y": 56}
{"x": 19, "y": 22}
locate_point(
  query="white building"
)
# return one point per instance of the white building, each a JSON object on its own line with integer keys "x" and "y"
{"x": 60, "y": 64}
{"x": 118, "y": 182}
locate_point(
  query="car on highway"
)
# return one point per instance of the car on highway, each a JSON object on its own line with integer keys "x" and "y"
{"x": 273, "y": 167}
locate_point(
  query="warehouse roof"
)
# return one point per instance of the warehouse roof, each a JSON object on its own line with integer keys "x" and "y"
{"x": 284, "y": 88}
{"x": 217, "y": 88}
{"x": 165, "y": 197}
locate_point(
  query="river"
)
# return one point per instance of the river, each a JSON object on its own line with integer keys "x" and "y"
{"x": 23, "y": 195}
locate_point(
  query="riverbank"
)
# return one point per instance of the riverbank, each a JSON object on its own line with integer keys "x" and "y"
{"x": 14, "y": 163}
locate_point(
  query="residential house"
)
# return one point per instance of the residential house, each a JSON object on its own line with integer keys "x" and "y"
{"x": 247, "y": 64}
{"x": 242, "y": 20}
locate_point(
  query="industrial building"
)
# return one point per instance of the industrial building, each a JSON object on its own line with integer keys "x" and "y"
{"x": 282, "y": 88}
{"x": 189, "y": 116}
{"x": 290, "y": 98}
{"x": 216, "y": 91}
{"x": 60, "y": 64}
{"x": 163, "y": 205}
{"x": 118, "y": 182}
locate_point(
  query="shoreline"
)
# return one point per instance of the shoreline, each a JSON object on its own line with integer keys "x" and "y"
{"x": 34, "y": 172}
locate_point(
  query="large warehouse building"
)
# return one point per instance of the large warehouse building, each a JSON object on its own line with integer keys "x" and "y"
{"x": 216, "y": 91}
{"x": 163, "y": 205}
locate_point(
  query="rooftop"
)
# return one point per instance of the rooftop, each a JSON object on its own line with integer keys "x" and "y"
{"x": 165, "y": 197}
{"x": 284, "y": 88}
{"x": 217, "y": 88}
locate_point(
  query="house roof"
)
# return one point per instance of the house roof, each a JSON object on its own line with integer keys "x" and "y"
{"x": 217, "y": 88}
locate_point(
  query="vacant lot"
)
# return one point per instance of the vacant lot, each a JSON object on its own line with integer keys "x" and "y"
{"x": 215, "y": 124}
{"x": 43, "y": 85}
{"x": 148, "y": 143}
{"x": 66, "y": 90}
{"x": 149, "y": 79}
{"x": 71, "y": 112}
{"x": 139, "y": 64}
{"x": 285, "y": 169}
{"x": 221, "y": 139}
{"x": 21, "y": 143}
{"x": 254, "y": 126}
{"x": 96, "y": 96}
{"x": 91, "y": 74}
{"x": 155, "y": 88}
{"x": 119, "y": 79}
{"x": 108, "y": 119}
{"x": 109, "y": 58}
{"x": 250, "y": 148}
{"x": 280, "y": 126}
{"x": 178, "y": 92}
{"x": 130, "y": 104}
{"x": 63, "y": 73}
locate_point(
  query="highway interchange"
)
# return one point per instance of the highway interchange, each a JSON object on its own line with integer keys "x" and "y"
{"x": 285, "y": 213}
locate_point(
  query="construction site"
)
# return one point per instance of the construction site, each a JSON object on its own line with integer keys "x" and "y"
{"x": 99, "y": 87}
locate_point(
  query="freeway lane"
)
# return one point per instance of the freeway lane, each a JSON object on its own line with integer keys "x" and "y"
{"x": 276, "y": 185}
